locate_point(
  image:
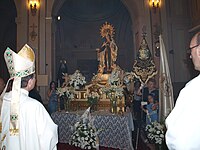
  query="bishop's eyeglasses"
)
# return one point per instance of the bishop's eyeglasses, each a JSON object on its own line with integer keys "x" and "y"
{"x": 190, "y": 49}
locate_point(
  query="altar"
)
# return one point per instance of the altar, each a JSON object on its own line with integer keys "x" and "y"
{"x": 116, "y": 130}
{"x": 80, "y": 101}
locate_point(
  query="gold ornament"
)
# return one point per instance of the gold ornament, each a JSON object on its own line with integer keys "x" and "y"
{"x": 107, "y": 29}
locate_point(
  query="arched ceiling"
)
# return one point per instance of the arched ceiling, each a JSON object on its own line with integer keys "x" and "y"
{"x": 88, "y": 10}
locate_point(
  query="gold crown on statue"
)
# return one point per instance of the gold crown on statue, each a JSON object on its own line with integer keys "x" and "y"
{"x": 20, "y": 64}
{"x": 107, "y": 29}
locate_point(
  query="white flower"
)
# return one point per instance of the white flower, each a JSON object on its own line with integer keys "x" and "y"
{"x": 113, "y": 92}
{"x": 82, "y": 146}
{"x": 85, "y": 135}
{"x": 60, "y": 91}
{"x": 65, "y": 91}
{"x": 162, "y": 135}
{"x": 155, "y": 132}
{"x": 76, "y": 79}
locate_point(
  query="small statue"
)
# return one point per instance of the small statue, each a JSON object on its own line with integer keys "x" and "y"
{"x": 107, "y": 54}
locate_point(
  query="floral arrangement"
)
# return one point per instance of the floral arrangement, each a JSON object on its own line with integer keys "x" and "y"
{"x": 67, "y": 92}
{"x": 114, "y": 88}
{"x": 113, "y": 92}
{"x": 93, "y": 98}
{"x": 85, "y": 134}
{"x": 115, "y": 78}
{"x": 77, "y": 80}
{"x": 155, "y": 132}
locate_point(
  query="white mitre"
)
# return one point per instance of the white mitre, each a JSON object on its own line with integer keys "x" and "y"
{"x": 19, "y": 65}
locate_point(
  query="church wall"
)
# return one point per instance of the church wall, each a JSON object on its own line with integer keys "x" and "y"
{"x": 22, "y": 23}
{"x": 42, "y": 59}
{"x": 194, "y": 12}
{"x": 46, "y": 46}
{"x": 177, "y": 20}
{"x": 41, "y": 42}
